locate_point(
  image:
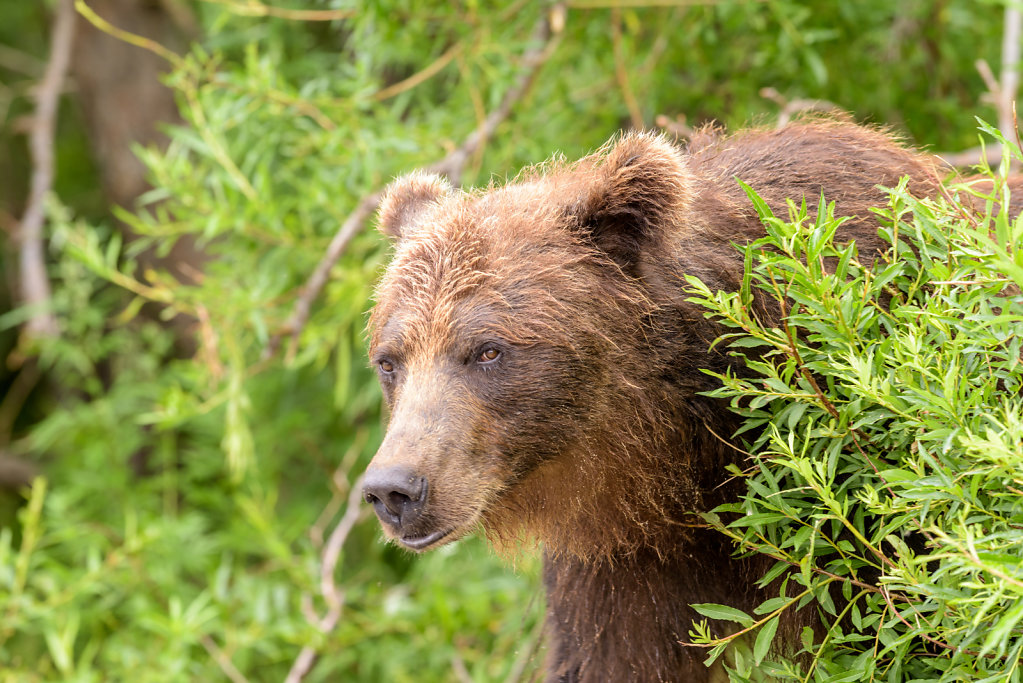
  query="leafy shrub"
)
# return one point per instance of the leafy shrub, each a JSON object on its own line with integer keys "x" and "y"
{"x": 171, "y": 540}
{"x": 886, "y": 466}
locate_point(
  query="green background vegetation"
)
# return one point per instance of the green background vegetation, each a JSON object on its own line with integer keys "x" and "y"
{"x": 190, "y": 480}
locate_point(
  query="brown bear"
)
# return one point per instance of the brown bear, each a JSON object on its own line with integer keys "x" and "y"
{"x": 543, "y": 367}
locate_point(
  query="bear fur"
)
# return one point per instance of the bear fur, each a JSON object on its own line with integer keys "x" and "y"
{"x": 543, "y": 367}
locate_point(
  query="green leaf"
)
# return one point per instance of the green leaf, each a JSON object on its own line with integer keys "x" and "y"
{"x": 765, "y": 636}
{"x": 763, "y": 210}
{"x": 724, "y": 613}
{"x": 1003, "y": 627}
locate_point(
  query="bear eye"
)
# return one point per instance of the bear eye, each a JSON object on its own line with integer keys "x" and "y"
{"x": 489, "y": 355}
{"x": 386, "y": 366}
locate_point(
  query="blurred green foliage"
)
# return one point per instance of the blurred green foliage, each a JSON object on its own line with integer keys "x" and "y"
{"x": 171, "y": 539}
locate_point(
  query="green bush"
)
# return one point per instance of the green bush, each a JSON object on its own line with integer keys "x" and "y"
{"x": 885, "y": 473}
{"x": 186, "y": 500}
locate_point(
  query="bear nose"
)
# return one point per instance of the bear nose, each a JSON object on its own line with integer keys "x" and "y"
{"x": 397, "y": 494}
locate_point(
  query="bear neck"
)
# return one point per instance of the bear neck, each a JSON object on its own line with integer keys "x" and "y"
{"x": 626, "y": 620}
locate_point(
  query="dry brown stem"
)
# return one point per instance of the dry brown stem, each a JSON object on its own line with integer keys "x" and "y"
{"x": 222, "y": 660}
{"x": 34, "y": 283}
{"x": 677, "y": 126}
{"x": 790, "y": 108}
{"x": 1002, "y": 91}
{"x": 973, "y": 156}
{"x": 329, "y": 590}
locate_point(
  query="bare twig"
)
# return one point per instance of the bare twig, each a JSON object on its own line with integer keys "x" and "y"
{"x": 332, "y": 595}
{"x": 318, "y": 280}
{"x": 1002, "y": 91}
{"x": 677, "y": 126}
{"x": 222, "y": 660}
{"x": 35, "y": 286}
{"x": 253, "y": 8}
{"x": 973, "y": 157}
{"x": 341, "y": 488}
{"x": 459, "y": 669}
{"x": 209, "y": 344}
{"x": 545, "y": 40}
{"x": 790, "y": 108}
{"x": 1010, "y": 71}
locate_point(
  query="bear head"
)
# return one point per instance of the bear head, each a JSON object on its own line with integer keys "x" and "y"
{"x": 511, "y": 335}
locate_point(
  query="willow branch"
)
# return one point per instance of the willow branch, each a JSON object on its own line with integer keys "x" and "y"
{"x": 790, "y": 108}
{"x": 131, "y": 38}
{"x": 545, "y": 39}
{"x": 677, "y": 126}
{"x": 332, "y": 594}
{"x": 34, "y": 284}
{"x": 253, "y": 8}
{"x": 1002, "y": 91}
{"x": 222, "y": 660}
{"x": 973, "y": 156}
{"x": 420, "y": 76}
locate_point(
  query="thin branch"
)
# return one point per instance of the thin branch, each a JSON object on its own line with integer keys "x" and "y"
{"x": 420, "y": 76}
{"x": 222, "y": 660}
{"x": 332, "y": 550}
{"x": 318, "y": 280}
{"x": 677, "y": 126}
{"x": 128, "y": 37}
{"x": 252, "y": 8}
{"x": 929, "y": 639}
{"x": 546, "y": 36}
{"x": 35, "y": 286}
{"x": 790, "y": 108}
{"x": 1002, "y": 91}
{"x": 973, "y": 156}
{"x": 1009, "y": 80}
{"x": 332, "y": 595}
{"x": 459, "y": 669}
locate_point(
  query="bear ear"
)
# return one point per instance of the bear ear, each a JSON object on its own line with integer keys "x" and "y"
{"x": 640, "y": 186}
{"x": 407, "y": 198}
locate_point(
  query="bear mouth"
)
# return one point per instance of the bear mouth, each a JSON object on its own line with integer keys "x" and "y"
{"x": 420, "y": 543}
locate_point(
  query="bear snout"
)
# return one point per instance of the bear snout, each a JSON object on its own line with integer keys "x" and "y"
{"x": 397, "y": 494}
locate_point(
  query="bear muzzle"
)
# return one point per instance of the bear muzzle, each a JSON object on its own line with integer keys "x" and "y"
{"x": 398, "y": 496}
